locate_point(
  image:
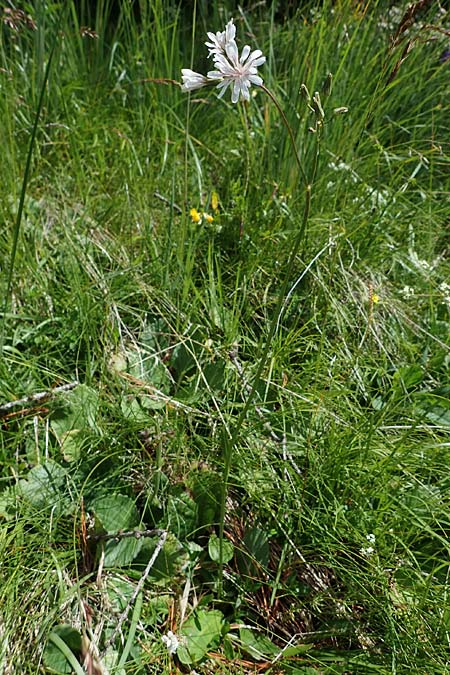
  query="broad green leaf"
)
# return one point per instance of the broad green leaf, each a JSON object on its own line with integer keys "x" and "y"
{"x": 257, "y": 545}
{"x": 133, "y": 410}
{"x": 201, "y": 632}
{"x": 70, "y": 635}
{"x": 121, "y": 553}
{"x": 181, "y": 515}
{"x": 228, "y": 649}
{"x": 79, "y": 411}
{"x": 55, "y": 658}
{"x": 71, "y": 443}
{"x": 256, "y": 644}
{"x": 215, "y": 375}
{"x": 289, "y": 652}
{"x": 7, "y": 508}
{"x": 119, "y": 592}
{"x": 434, "y": 405}
{"x": 115, "y": 512}
{"x": 111, "y": 660}
{"x": 214, "y": 549}
{"x": 187, "y": 354}
{"x": 254, "y": 553}
{"x": 407, "y": 377}
{"x": 437, "y": 414}
{"x": 76, "y": 417}
{"x": 149, "y": 368}
{"x": 55, "y": 661}
{"x": 170, "y": 562}
{"x": 155, "y": 334}
{"x": 46, "y": 487}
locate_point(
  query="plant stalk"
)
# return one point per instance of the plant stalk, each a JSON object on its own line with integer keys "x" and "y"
{"x": 230, "y": 439}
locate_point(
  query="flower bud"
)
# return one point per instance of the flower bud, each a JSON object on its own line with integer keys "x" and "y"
{"x": 305, "y": 93}
{"x": 316, "y": 105}
{"x": 340, "y": 111}
{"x": 326, "y": 86}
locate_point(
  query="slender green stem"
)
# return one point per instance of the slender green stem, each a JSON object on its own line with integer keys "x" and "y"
{"x": 26, "y": 176}
{"x": 290, "y": 132}
{"x": 132, "y": 632}
{"x": 186, "y": 147}
{"x": 230, "y": 439}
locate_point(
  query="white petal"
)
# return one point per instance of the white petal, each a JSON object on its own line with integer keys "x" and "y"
{"x": 255, "y": 54}
{"x": 256, "y": 58}
{"x": 258, "y": 62}
{"x": 232, "y": 52}
{"x": 255, "y": 79}
{"x": 223, "y": 86}
{"x": 230, "y": 31}
{"x": 214, "y": 75}
{"x": 245, "y": 85}
{"x": 245, "y": 53}
{"x": 236, "y": 91}
{"x": 223, "y": 65}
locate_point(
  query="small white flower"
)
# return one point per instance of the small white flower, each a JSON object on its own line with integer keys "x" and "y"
{"x": 192, "y": 80}
{"x": 171, "y": 641}
{"x": 407, "y": 292}
{"x": 444, "y": 288}
{"x": 342, "y": 166}
{"x": 378, "y": 198}
{"x": 423, "y": 265}
{"x": 367, "y": 552}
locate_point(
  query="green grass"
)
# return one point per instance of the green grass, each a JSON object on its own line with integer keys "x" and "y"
{"x": 336, "y": 489}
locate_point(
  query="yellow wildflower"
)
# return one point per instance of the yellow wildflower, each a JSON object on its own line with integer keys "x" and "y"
{"x": 208, "y": 218}
{"x": 196, "y": 217}
{"x": 375, "y": 298}
{"x": 215, "y": 201}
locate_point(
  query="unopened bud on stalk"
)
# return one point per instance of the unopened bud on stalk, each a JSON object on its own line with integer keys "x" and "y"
{"x": 326, "y": 87}
{"x": 305, "y": 93}
{"x": 316, "y": 105}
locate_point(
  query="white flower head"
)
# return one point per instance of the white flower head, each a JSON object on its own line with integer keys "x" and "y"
{"x": 238, "y": 72}
{"x": 192, "y": 80}
{"x": 220, "y": 40}
{"x": 231, "y": 70}
{"x": 171, "y": 641}
{"x": 407, "y": 292}
{"x": 368, "y": 551}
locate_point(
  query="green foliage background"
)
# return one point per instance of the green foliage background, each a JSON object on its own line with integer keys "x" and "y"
{"x": 335, "y": 557}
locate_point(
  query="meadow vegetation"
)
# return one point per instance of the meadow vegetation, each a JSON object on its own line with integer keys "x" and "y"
{"x": 144, "y": 266}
